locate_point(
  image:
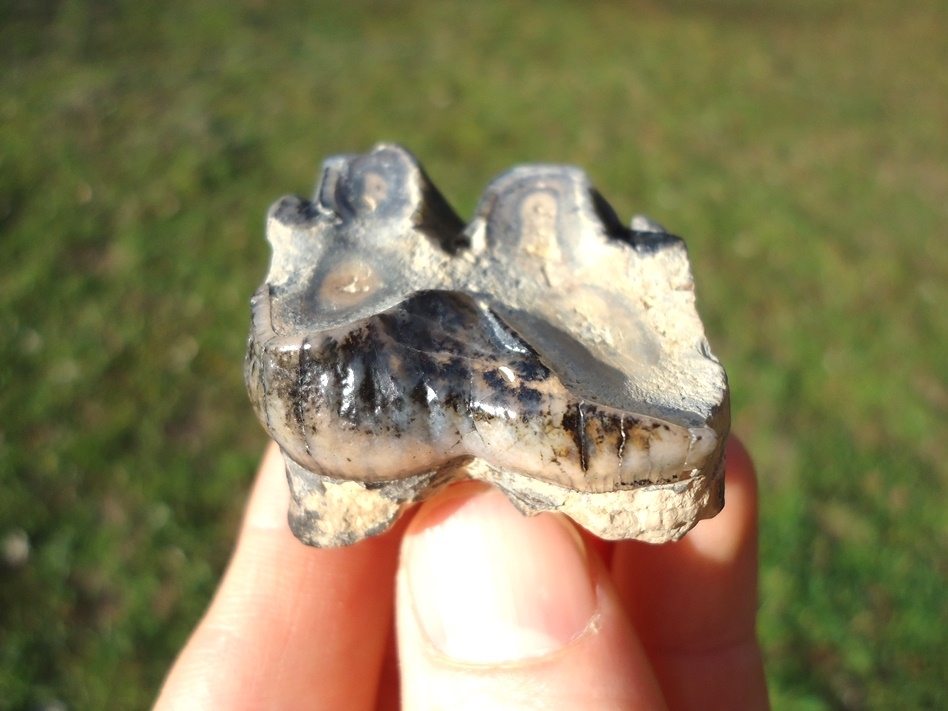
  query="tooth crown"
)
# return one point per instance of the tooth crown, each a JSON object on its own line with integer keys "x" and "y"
{"x": 543, "y": 348}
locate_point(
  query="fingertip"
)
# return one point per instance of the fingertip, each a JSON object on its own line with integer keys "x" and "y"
{"x": 473, "y": 567}
{"x": 703, "y": 587}
{"x": 499, "y": 610}
{"x": 740, "y": 466}
{"x": 731, "y": 537}
{"x": 694, "y": 602}
{"x": 288, "y": 619}
{"x": 270, "y": 496}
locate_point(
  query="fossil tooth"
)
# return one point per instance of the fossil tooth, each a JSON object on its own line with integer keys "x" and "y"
{"x": 543, "y": 348}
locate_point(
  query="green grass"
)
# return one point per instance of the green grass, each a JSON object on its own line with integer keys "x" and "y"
{"x": 800, "y": 147}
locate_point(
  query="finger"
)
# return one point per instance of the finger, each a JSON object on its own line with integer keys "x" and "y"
{"x": 288, "y": 620}
{"x": 694, "y": 602}
{"x": 499, "y": 611}
{"x": 389, "y": 686}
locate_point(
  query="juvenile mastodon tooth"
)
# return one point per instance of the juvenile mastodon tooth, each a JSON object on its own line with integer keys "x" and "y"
{"x": 544, "y": 348}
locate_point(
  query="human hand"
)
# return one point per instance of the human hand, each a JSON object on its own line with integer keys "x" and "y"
{"x": 493, "y": 611}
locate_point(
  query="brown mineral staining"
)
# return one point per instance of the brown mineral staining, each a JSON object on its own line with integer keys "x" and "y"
{"x": 544, "y": 348}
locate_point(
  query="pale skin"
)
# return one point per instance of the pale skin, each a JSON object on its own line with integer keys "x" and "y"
{"x": 466, "y": 604}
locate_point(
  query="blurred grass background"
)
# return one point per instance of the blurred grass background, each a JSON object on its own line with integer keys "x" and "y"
{"x": 801, "y": 148}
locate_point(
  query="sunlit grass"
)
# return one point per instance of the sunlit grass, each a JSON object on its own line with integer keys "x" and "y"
{"x": 801, "y": 149}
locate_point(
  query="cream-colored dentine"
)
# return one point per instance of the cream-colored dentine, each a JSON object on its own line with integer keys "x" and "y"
{"x": 538, "y": 233}
{"x": 348, "y": 284}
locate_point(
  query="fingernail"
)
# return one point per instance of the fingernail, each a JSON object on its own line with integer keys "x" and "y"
{"x": 489, "y": 585}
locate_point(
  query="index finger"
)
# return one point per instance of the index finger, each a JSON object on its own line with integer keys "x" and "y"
{"x": 694, "y": 602}
{"x": 288, "y": 619}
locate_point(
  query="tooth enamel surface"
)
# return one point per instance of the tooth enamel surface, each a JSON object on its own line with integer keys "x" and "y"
{"x": 542, "y": 347}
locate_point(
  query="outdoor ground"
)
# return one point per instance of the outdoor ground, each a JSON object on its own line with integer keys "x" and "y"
{"x": 801, "y": 148}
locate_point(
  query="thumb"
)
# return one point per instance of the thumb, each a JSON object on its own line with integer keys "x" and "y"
{"x": 497, "y": 610}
